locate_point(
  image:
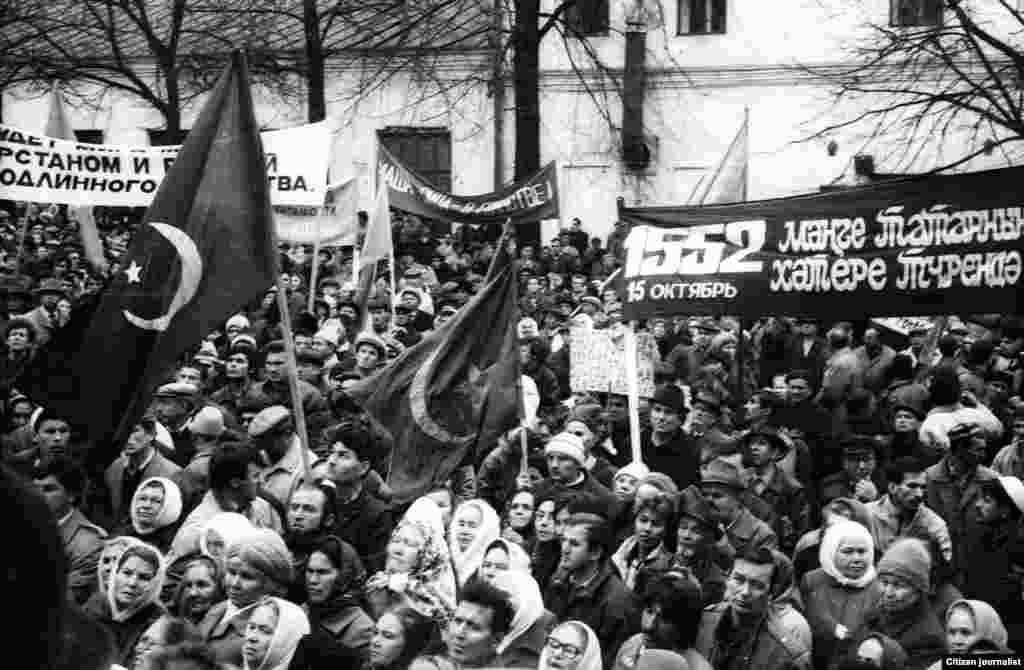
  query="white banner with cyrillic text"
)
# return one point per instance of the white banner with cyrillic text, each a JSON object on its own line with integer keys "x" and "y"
{"x": 37, "y": 168}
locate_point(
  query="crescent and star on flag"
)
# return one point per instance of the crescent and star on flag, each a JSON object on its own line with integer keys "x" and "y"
{"x": 188, "y": 283}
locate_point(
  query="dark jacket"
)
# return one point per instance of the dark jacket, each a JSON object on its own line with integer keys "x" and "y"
{"x": 826, "y": 604}
{"x": 771, "y": 647}
{"x": 83, "y": 544}
{"x": 588, "y": 487}
{"x": 366, "y": 524}
{"x": 604, "y": 604}
{"x": 791, "y": 514}
{"x": 126, "y": 633}
{"x": 918, "y": 632}
{"x": 677, "y": 458}
{"x": 945, "y": 498}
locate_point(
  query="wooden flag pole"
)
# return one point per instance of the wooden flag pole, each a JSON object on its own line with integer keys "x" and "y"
{"x": 633, "y": 390}
{"x": 293, "y": 379}
{"x": 313, "y": 278}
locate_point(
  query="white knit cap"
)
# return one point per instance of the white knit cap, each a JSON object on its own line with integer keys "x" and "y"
{"x": 566, "y": 444}
{"x": 238, "y": 321}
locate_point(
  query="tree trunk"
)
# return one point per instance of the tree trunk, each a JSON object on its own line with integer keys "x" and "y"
{"x": 172, "y": 113}
{"x": 526, "y": 71}
{"x": 316, "y": 103}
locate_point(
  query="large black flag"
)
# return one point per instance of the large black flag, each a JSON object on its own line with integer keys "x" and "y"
{"x": 205, "y": 247}
{"x": 453, "y": 393}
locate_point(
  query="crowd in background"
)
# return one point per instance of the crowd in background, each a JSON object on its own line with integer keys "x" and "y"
{"x": 810, "y": 495}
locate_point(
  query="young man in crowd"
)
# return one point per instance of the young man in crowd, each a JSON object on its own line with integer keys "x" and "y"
{"x": 745, "y": 631}
{"x": 586, "y": 586}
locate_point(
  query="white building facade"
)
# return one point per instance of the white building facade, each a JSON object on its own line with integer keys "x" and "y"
{"x": 708, "y": 62}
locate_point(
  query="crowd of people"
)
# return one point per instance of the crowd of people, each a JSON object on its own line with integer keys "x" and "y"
{"x": 801, "y": 501}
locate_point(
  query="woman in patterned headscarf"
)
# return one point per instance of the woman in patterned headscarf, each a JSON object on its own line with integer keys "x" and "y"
{"x": 418, "y": 571}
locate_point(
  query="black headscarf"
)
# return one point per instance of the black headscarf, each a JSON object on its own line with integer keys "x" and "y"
{"x": 349, "y": 585}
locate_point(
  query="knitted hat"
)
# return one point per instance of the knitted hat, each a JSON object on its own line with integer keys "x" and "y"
{"x": 566, "y": 444}
{"x": 908, "y": 559}
{"x": 266, "y": 552}
{"x": 635, "y": 469}
{"x": 237, "y": 321}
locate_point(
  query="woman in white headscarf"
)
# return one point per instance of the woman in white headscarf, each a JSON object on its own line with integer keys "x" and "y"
{"x": 131, "y": 604}
{"x": 501, "y": 555}
{"x": 838, "y": 595}
{"x": 572, "y": 645}
{"x": 220, "y": 532}
{"x": 522, "y": 645}
{"x": 273, "y": 634}
{"x": 475, "y": 525}
{"x": 418, "y": 568}
{"x": 155, "y": 512}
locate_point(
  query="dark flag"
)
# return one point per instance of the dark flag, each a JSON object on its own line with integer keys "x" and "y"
{"x": 205, "y": 247}
{"x": 453, "y": 393}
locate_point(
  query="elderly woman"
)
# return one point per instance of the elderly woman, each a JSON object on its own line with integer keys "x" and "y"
{"x": 972, "y": 625}
{"x": 418, "y": 569}
{"x": 113, "y": 547}
{"x": 572, "y": 645}
{"x": 838, "y": 595}
{"x": 256, "y": 565}
{"x": 220, "y": 532}
{"x": 155, "y": 511}
{"x": 201, "y": 587}
{"x": 475, "y": 525}
{"x": 133, "y": 592}
{"x": 272, "y": 634}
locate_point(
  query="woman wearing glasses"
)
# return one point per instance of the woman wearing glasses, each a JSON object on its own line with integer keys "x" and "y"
{"x": 571, "y": 646}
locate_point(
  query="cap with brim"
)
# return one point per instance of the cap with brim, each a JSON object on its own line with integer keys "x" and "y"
{"x": 670, "y": 396}
{"x": 372, "y": 340}
{"x": 412, "y": 273}
{"x": 723, "y": 473}
{"x": 176, "y": 390}
{"x": 50, "y": 286}
{"x": 694, "y": 506}
{"x": 907, "y": 407}
{"x": 593, "y": 301}
{"x": 267, "y": 419}
{"x": 780, "y": 445}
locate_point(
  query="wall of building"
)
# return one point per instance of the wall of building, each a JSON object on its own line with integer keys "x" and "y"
{"x": 699, "y": 87}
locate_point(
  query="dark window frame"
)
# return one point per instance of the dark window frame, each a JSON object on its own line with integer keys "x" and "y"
{"x": 89, "y": 136}
{"x": 704, "y": 17}
{"x": 926, "y": 13}
{"x": 588, "y": 18}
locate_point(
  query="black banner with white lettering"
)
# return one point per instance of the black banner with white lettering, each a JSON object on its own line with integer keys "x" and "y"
{"x": 926, "y": 245}
{"x": 526, "y": 201}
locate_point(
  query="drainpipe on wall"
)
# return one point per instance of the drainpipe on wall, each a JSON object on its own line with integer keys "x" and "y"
{"x": 635, "y": 152}
{"x": 498, "y": 91}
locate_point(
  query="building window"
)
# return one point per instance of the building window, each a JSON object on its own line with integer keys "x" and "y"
{"x": 701, "y": 17}
{"x": 89, "y": 136}
{"x": 160, "y": 138}
{"x": 587, "y": 17}
{"x": 915, "y": 13}
{"x": 427, "y": 151}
